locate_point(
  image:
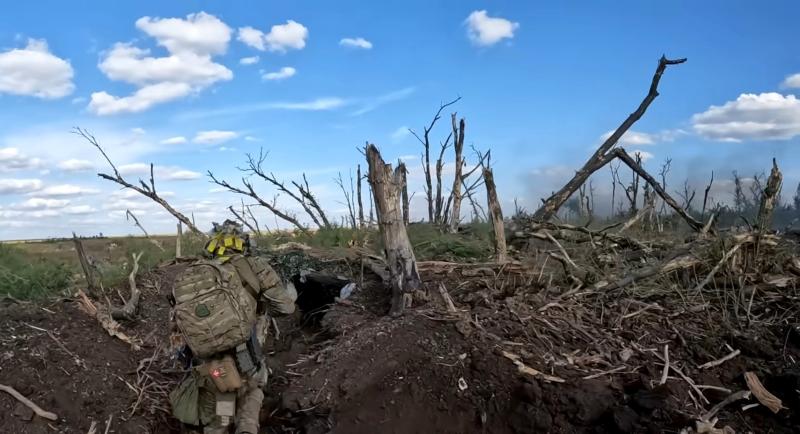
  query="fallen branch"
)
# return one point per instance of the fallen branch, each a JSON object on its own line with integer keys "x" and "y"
{"x": 665, "y": 373}
{"x": 763, "y": 396}
{"x": 525, "y": 369}
{"x": 718, "y": 362}
{"x": 106, "y": 321}
{"x": 742, "y": 394}
{"x": 128, "y": 311}
{"x": 36, "y": 409}
{"x": 725, "y": 258}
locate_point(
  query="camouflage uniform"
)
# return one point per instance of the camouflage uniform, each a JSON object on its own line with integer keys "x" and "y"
{"x": 274, "y": 298}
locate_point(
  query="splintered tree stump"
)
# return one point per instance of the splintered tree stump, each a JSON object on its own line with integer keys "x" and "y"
{"x": 769, "y": 198}
{"x": 386, "y": 187}
{"x": 88, "y": 271}
{"x": 496, "y": 215}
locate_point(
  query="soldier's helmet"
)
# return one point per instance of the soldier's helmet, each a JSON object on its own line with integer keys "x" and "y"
{"x": 227, "y": 239}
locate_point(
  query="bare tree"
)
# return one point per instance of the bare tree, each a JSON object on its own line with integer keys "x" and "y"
{"x": 401, "y": 167}
{"x": 740, "y": 201}
{"x": 705, "y": 196}
{"x": 769, "y": 198}
{"x": 602, "y": 156}
{"x": 496, "y": 213}
{"x": 687, "y": 195}
{"x": 348, "y": 197}
{"x": 426, "y": 157}
{"x": 147, "y": 190}
{"x": 665, "y": 167}
{"x": 242, "y": 218}
{"x": 455, "y": 192}
{"x": 614, "y": 181}
{"x": 303, "y": 196}
{"x": 386, "y": 187}
{"x": 358, "y": 197}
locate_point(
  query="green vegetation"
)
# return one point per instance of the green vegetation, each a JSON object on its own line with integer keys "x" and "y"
{"x": 27, "y": 277}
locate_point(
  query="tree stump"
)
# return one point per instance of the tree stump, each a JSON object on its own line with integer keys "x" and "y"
{"x": 88, "y": 271}
{"x": 386, "y": 187}
{"x": 496, "y": 216}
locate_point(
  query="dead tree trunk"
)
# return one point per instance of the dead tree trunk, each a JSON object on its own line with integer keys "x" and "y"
{"x": 496, "y": 214}
{"x": 128, "y": 311}
{"x": 178, "y": 241}
{"x": 439, "y": 205}
{"x": 551, "y": 206}
{"x": 458, "y": 145}
{"x": 386, "y": 186}
{"x": 629, "y": 161}
{"x": 88, "y": 271}
{"x": 404, "y": 194}
{"x": 769, "y": 198}
{"x": 358, "y": 197}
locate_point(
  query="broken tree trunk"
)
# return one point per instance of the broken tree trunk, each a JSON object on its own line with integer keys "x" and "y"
{"x": 551, "y": 206}
{"x": 458, "y": 145}
{"x": 128, "y": 311}
{"x": 630, "y": 162}
{"x": 496, "y": 214}
{"x": 386, "y": 187}
{"x": 358, "y": 197}
{"x": 404, "y": 179}
{"x": 178, "y": 241}
{"x": 769, "y": 198}
{"x": 88, "y": 271}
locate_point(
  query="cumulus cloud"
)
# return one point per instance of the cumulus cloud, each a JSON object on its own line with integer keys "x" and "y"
{"x": 13, "y": 159}
{"x": 188, "y": 68}
{"x": 765, "y": 116}
{"x": 167, "y": 173}
{"x": 34, "y": 71}
{"x": 400, "y": 134}
{"x": 19, "y": 186}
{"x": 356, "y": 43}
{"x": 313, "y": 105}
{"x": 485, "y": 31}
{"x": 214, "y": 137}
{"x": 64, "y": 190}
{"x": 39, "y": 203}
{"x": 283, "y": 73}
{"x": 281, "y": 37}
{"x": 632, "y": 138}
{"x": 249, "y": 60}
{"x": 75, "y": 165}
{"x": 177, "y": 140}
{"x": 792, "y": 81}
{"x": 79, "y": 210}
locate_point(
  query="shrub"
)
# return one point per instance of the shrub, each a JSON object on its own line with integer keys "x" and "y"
{"x": 27, "y": 277}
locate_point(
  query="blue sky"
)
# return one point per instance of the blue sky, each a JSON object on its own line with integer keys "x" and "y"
{"x": 193, "y": 85}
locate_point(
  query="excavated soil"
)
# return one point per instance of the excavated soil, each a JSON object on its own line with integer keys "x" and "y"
{"x": 344, "y": 367}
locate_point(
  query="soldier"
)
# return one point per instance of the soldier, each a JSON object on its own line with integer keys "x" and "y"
{"x": 221, "y": 307}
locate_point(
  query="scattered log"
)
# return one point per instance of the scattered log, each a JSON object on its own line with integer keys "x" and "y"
{"x": 106, "y": 321}
{"x": 676, "y": 263}
{"x": 769, "y": 198}
{"x": 386, "y": 187}
{"x": 763, "y": 395}
{"x": 128, "y": 311}
{"x": 92, "y": 282}
{"x": 496, "y": 214}
{"x": 36, "y": 409}
{"x": 599, "y": 159}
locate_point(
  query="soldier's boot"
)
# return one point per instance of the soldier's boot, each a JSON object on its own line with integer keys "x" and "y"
{"x": 249, "y": 408}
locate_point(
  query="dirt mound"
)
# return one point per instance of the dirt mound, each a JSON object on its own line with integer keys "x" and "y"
{"x": 519, "y": 355}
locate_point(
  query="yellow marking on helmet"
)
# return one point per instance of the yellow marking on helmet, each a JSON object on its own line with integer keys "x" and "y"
{"x": 221, "y": 250}
{"x": 239, "y": 244}
{"x": 212, "y": 245}
{"x": 228, "y": 241}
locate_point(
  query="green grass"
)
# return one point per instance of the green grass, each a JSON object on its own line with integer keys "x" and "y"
{"x": 116, "y": 273}
{"x": 28, "y": 277}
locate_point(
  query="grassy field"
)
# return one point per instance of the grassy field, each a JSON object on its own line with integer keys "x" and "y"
{"x": 42, "y": 268}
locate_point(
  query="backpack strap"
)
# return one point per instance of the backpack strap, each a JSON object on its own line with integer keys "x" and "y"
{"x": 248, "y": 276}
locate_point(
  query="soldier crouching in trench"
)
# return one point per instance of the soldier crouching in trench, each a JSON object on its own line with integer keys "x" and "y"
{"x": 221, "y": 307}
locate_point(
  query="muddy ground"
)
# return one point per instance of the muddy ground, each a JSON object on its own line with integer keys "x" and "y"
{"x": 344, "y": 367}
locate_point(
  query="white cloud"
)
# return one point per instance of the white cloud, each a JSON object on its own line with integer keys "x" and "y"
{"x": 75, "y": 165}
{"x": 251, "y": 139}
{"x": 138, "y": 131}
{"x": 313, "y": 105}
{"x": 371, "y": 104}
{"x": 281, "y": 38}
{"x": 283, "y": 73}
{"x": 13, "y": 159}
{"x": 400, "y": 133}
{"x": 199, "y": 33}
{"x": 249, "y": 60}
{"x": 645, "y": 156}
{"x": 188, "y": 68}
{"x": 214, "y": 137}
{"x": 177, "y": 140}
{"x": 356, "y": 43}
{"x": 167, "y": 173}
{"x": 39, "y": 203}
{"x": 792, "y": 81}
{"x": 765, "y": 116}
{"x": 484, "y": 30}
{"x": 79, "y": 210}
{"x": 66, "y": 190}
{"x": 18, "y": 186}
{"x": 632, "y": 138}
{"x": 34, "y": 71}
